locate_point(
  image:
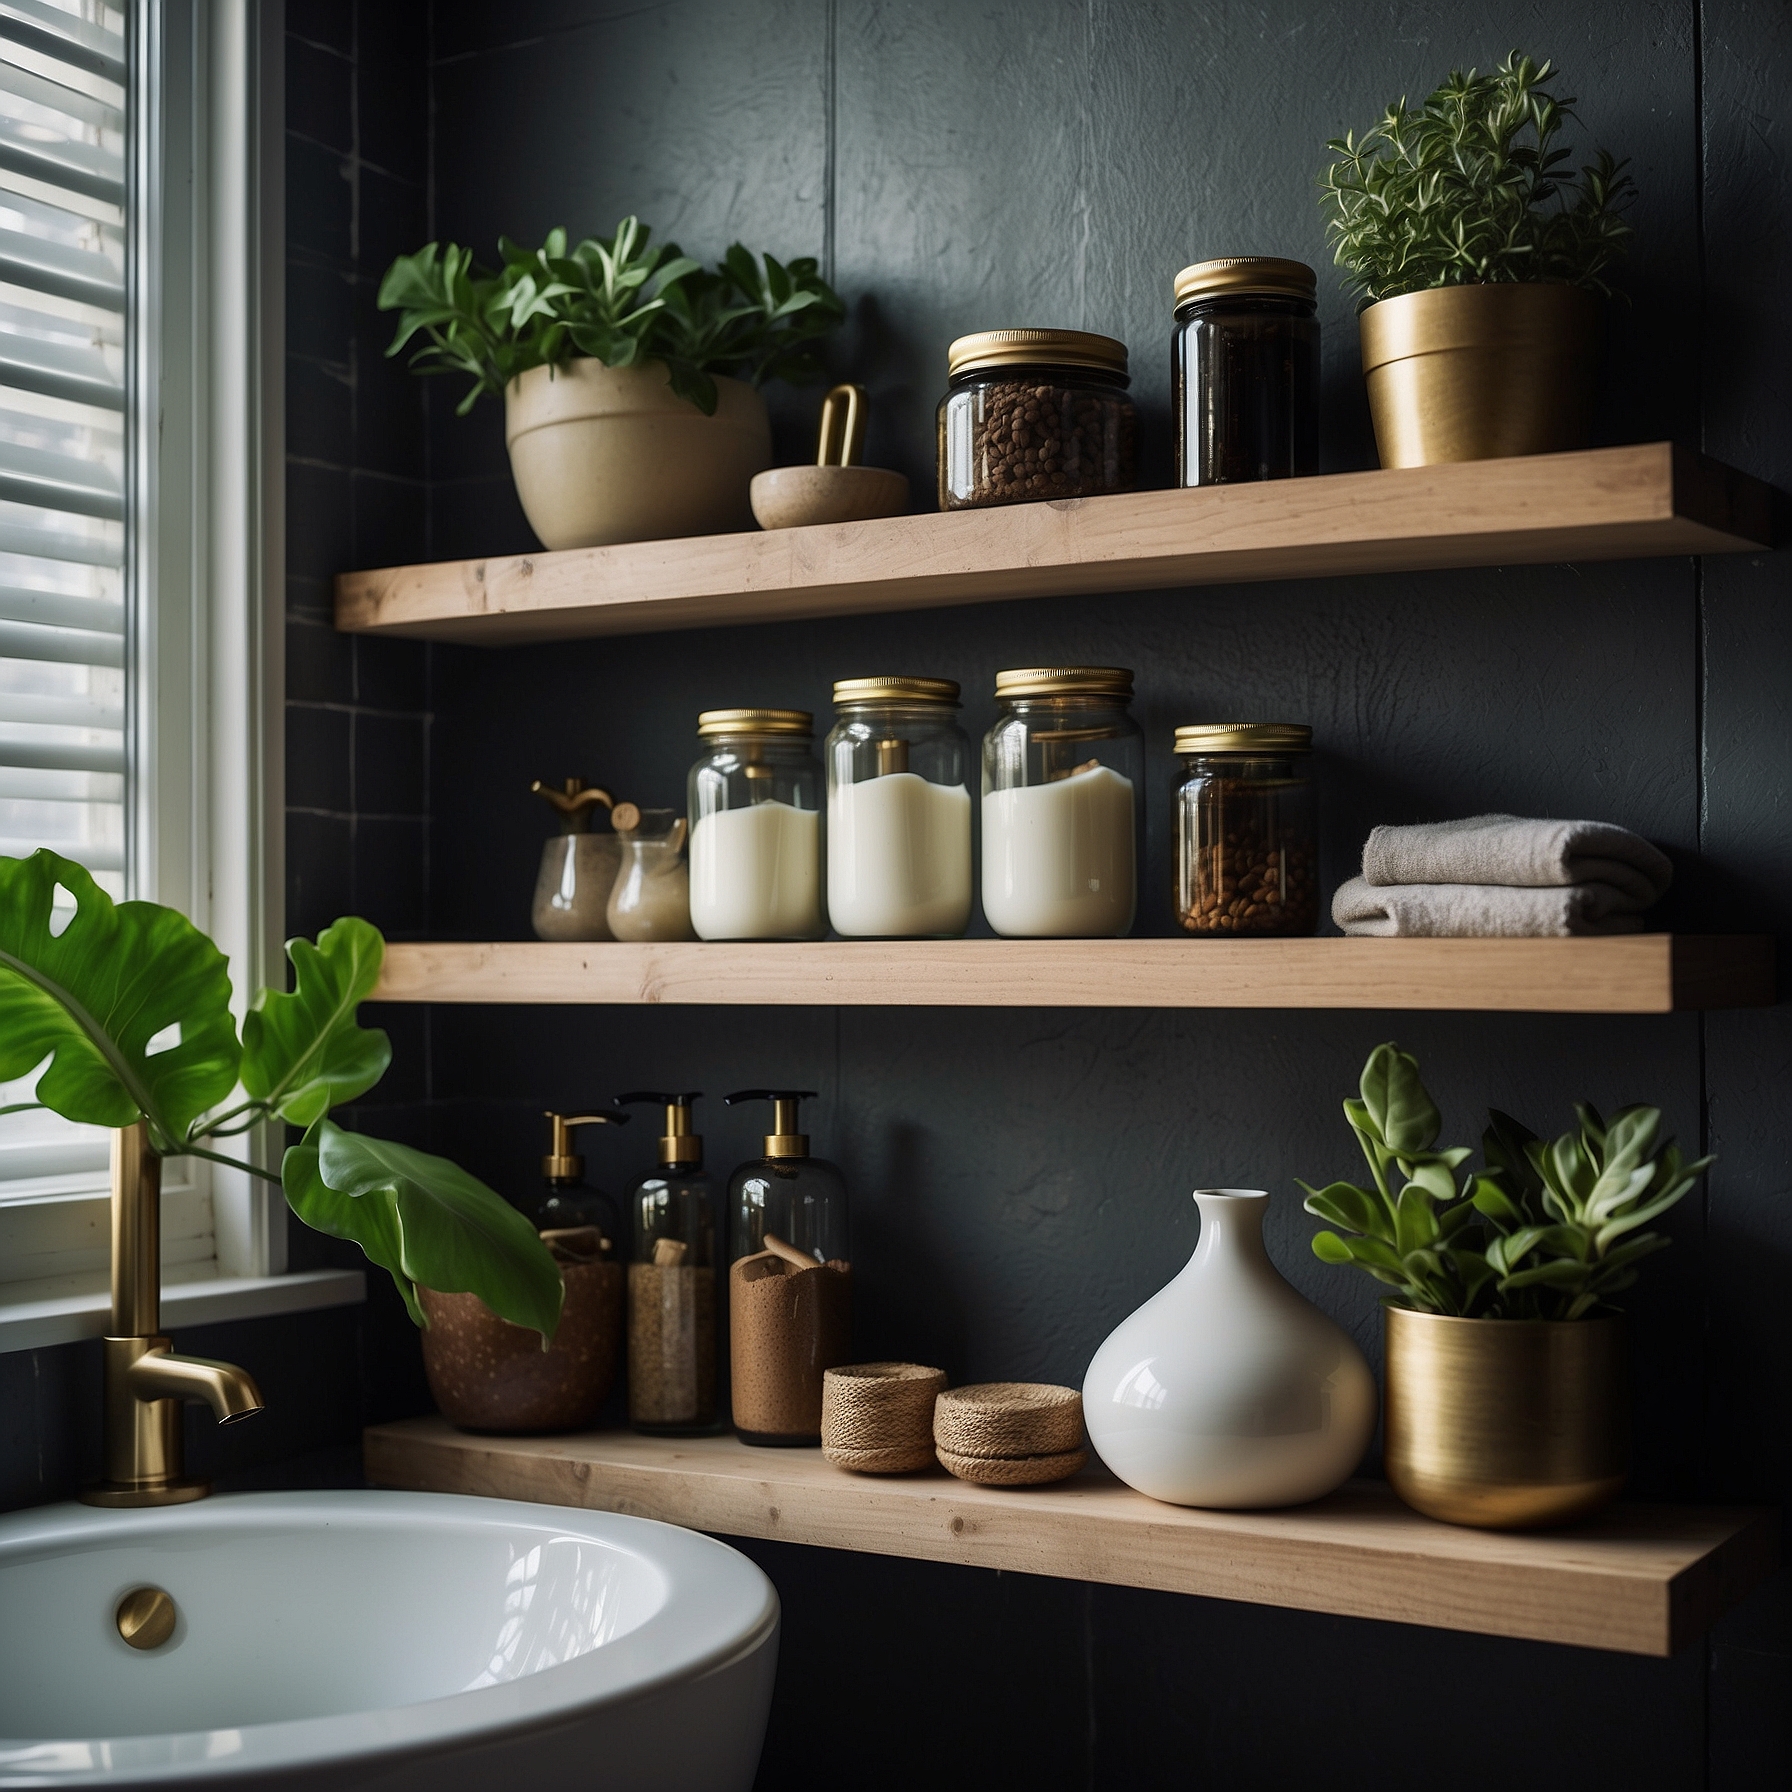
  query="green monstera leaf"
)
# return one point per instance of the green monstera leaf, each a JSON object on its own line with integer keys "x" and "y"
{"x": 304, "y": 1053}
{"x": 130, "y": 1002}
{"x": 425, "y": 1220}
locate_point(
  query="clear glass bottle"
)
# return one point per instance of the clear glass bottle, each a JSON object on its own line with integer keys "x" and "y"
{"x": 1245, "y": 850}
{"x": 651, "y": 899}
{"x": 672, "y": 1340}
{"x": 567, "y": 1202}
{"x": 755, "y": 812}
{"x": 1034, "y": 414}
{"x": 790, "y": 1281}
{"x": 1245, "y": 371}
{"x": 1063, "y": 805}
{"x": 899, "y": 810}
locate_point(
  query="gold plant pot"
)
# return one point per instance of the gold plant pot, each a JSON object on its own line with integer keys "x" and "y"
{"x": 1507, "y": 1424}
{"x": 489, "y": 1375}
{"x": 1481, "y": 372}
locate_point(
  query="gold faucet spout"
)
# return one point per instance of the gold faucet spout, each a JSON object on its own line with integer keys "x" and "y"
{"x": 230, "y": 1392}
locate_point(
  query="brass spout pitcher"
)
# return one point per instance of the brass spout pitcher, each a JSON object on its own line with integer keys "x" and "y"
{"x": 146, "y": 1385}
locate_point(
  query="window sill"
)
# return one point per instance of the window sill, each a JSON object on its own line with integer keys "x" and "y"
{"x": 63, "y": 1309}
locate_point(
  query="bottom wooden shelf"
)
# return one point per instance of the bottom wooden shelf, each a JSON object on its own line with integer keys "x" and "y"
{"x": 1641, "y": 1579}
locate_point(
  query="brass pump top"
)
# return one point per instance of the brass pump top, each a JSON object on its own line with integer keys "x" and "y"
{"x": 783, "y": 1140}
{"x": 576, "y": 805}
{"x": 562, "y": 1163}
{"x": 679, "y": 1147}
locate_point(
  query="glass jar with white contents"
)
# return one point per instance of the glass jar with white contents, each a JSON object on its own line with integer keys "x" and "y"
{"x": 899, "y": 810}
{"x": 755, "y": 808}
{"x": 1063, "y": 805}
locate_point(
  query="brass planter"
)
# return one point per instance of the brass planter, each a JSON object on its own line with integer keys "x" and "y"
{"x": 1481, "y": 372}
{"x": 489, "y": 1375}
{"x": 1507, "y": 1424}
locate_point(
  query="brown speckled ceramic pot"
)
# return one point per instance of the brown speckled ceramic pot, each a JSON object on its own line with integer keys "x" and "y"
{"x": 489, "y": 1375}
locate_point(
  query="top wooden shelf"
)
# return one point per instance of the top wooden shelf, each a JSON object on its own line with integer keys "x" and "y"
{"x": 1603, "y": 504}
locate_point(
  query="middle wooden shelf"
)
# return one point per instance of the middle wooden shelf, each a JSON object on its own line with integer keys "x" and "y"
{"x": 1643, "y": 973}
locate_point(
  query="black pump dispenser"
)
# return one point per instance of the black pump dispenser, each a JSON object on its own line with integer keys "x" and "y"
{"x": 783, "y": 1141}
{"x": 679, "y": 1147}
{"x": 568, "y": 1202}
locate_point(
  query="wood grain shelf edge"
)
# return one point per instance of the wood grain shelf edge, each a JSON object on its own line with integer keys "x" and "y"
{"x": 1650, "y": 973}
{"x": 1607, "y": 503}
{"x": 1641, "y": 1580}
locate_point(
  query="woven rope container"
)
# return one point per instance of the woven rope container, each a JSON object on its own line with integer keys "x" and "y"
{"x": 877, "y": 1418}
{"x": 1010, "y": 1433}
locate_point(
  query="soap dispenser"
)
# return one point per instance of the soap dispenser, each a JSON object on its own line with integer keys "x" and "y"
{"x": 672, "y": 1280}
{"x": 790, "y": 1281}
{"x": 578, "y": 867}
{"x": 568, "y": 1202}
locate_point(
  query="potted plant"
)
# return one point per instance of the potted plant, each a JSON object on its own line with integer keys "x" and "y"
{"x": 1505, "y": 1404}
{"x": 629, "y": 373}
{"x": 127, "y": 1007}
{"x": 1481, "y": 265}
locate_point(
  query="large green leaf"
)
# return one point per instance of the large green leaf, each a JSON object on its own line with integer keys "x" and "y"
{"x": 94, "y": 997}
{"x": 303, "y": 1053}
{"x": 425, "y": 1220}
{"x": 1404, "y": 1114}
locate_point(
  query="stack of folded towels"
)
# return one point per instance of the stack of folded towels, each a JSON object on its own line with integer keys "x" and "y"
{"x": 1502, "y": 877}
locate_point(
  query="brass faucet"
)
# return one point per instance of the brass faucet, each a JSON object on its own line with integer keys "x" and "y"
{"x": 146, "y": 1386}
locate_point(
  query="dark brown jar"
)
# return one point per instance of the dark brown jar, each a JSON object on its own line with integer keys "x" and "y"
{"x": 1034, "y": 414}
{"x": 1245, "y": 371}
{"x": 1245, "y": 842}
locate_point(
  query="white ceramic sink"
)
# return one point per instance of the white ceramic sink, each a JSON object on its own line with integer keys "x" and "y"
{"x": 398, "y": 1640}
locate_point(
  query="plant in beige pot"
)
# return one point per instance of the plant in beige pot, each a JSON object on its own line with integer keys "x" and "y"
{"x": 629, "y": 374}
{"x": 1506, "y": 1402}
{"x": 1481, "y": 265}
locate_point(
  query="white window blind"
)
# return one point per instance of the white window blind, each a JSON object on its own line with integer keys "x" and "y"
{"x": 65, "y": 639}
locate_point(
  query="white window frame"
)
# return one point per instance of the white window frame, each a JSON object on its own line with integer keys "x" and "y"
{"x": 207, "y": 701}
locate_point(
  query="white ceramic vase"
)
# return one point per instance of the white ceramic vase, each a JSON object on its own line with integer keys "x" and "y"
{"x": 1227, "y": 1388}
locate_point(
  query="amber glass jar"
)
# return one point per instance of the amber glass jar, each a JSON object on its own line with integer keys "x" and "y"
{"x": 1033, "y": 414}
{"x": 1245, "y": 841}
{"x": 1245, "y": 371}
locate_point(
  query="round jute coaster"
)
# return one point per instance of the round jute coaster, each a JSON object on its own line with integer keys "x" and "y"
{"x": 877, "y": 1418}
{"x": 1014, "y": 1471}
{"x": 1008, "y": 1419}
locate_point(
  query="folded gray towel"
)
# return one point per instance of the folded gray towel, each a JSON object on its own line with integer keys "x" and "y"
{"x": 1507, "y": 849}
{"x": 1482, "y": 911}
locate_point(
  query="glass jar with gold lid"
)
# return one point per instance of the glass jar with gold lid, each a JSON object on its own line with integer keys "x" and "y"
{"x": 1063, "y": 804}
{"x": 1034, "y": 414}
{"x": 899, "y": 810}
{"x": 1245, "y": 849}
{"x": 755, "y": 813}
{"x": 1245, "y": 371}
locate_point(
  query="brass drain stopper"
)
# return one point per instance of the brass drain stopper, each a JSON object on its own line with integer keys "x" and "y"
{"x": 145, "y": 1617}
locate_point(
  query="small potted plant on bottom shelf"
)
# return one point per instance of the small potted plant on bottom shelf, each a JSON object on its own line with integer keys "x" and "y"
{"x": 126, "y": 1006}
{"x": 629, "y": 374}
{"x": 1481, "y": 266}
{"x": 1506, "y": 1403}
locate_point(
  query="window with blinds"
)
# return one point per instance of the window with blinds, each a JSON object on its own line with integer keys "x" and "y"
{"x": 65, "y": 639}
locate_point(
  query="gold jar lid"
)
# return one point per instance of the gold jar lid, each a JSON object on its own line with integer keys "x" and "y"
{"x": 1035, "y": 348}
{"x": 895, "y": 690}
{"x": 1245, "y": 737}
{"x": 1246, "y": 276}
{"x": 714, "y": 722}
{"x": 1065, "y": 681}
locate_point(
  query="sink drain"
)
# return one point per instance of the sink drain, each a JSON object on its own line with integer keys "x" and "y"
{"x": 145, "y": 1617}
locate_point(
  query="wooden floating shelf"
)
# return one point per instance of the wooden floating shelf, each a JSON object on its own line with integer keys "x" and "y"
{"x": 1601, "y": 504}
{"x": 1644, "y": 1580}
{"x": 1644, "y": 973}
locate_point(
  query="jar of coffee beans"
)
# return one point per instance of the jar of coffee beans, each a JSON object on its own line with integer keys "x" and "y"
{"x": 1244, "y": 848}
{"x": 1032, "y": 414}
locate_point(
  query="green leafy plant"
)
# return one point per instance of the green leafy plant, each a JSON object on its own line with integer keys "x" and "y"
{"x": 618, "y": 299}
{"x": 1470, "y": 188}
{"x": 1548, "y": 1229}
{"x": 129, "y": 1003}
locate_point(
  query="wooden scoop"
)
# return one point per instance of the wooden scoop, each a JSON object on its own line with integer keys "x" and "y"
{"x": 836, "y": 489}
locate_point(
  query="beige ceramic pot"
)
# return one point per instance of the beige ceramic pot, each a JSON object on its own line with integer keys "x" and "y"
{"x": 605, "y": 454}
{"x": 1481, "y": 372}
{"x": 489, "y": 1375}
{"x": 1506, "y": 1424}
